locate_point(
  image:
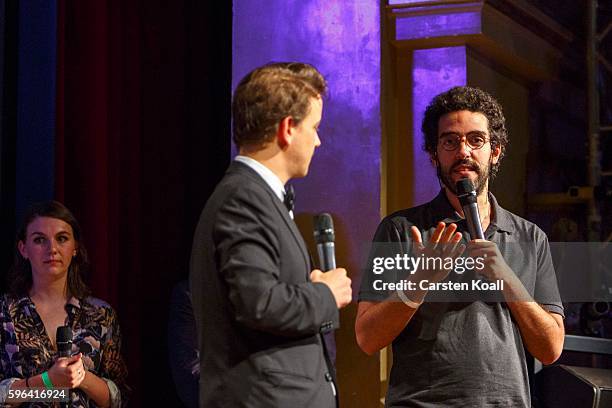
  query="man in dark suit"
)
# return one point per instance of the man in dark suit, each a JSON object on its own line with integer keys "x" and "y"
{"x": 260, "y": 309}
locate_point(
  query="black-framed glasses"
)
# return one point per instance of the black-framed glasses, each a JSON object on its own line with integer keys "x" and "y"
{"x": 452, "y": 142}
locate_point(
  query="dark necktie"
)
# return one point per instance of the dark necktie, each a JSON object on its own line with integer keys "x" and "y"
{"x": 289, "y": 199}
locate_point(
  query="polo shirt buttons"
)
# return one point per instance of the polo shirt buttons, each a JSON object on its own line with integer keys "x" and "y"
{"x": 326, "y": 326}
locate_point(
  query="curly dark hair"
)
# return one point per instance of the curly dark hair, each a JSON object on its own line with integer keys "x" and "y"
{"x": 20, "y": 276}
{"x": 471, "y": 99}
{"x": 270, "y": 93}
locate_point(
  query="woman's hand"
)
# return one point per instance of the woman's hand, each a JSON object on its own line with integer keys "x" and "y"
{"x": 67, "y": 372}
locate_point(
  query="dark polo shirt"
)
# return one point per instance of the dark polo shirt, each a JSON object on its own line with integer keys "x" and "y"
{"x": 465, "y": 351}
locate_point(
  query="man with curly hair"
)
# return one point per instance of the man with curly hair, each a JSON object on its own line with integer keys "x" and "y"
{"x": 465, "y": 349}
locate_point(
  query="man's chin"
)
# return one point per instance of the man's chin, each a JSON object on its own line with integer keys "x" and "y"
{"x": 301, "y": 173}
{"x": 451, "y": 182}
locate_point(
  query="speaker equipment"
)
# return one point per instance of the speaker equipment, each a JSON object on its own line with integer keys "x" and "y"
{"x": 562, "y": 386}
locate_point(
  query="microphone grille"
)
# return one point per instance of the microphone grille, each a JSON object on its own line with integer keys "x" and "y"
{"x": 464, "y": 186}
{"x": 323, "y": 221}
{"x": 63, "y": 335}
{"x": 323, "y": 228}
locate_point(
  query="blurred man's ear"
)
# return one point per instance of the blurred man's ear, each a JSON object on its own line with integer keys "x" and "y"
{"x": 495, "y": 154}
{"x": 433, "y": 158}
{"x": 284, "y": 133}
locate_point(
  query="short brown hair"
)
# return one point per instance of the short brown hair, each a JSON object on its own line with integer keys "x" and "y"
{"x": 270, "y": 93}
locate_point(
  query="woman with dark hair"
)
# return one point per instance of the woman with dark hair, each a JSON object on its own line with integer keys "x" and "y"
{"x": 46, "y": 291}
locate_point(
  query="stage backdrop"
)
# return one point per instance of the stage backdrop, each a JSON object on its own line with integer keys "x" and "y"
{"x": 342, "y": 39}
{"x": 120, "y": 109}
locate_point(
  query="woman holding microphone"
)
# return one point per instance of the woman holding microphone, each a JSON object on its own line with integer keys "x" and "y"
{"x": 47, "y": 291}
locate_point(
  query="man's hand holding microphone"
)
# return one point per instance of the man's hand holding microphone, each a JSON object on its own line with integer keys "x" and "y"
{"x": 335, "y": 278}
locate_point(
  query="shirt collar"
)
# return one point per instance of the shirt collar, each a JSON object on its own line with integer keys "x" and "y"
{"x": 501, "y": 217}
{"x": 74, "y": 302}
{"x": 265, "y": 173}
{"x": 27, "y": 301}
{"x": 24, "y": 301}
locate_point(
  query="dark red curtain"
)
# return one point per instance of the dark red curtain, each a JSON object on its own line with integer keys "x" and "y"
{"x": 142, "y": 138}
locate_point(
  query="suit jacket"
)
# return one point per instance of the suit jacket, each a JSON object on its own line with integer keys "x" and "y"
{"x": 259, "y": 317}
{"x": 184, "y": 356}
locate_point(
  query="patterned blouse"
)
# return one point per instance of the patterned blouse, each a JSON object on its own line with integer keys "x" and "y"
{"x": 26, "y": 349}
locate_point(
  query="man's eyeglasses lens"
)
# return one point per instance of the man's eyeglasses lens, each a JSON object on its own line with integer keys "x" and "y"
{"x": 450, "y": 143}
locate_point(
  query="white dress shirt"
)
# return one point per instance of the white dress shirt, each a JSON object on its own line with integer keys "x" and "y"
{"x": 268, "y": 175}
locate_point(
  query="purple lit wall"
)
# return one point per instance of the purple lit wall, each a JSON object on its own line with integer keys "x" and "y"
{"x": 392, "y": 2}
{"x": 342, "y": 39}
{"x": 434, "y": 71}
{"x": 425, "y": 26}
{"x": 448, "y": 20}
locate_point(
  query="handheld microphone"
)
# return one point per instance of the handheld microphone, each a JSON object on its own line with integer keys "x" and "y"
{"x": 324, "y": 238}
{"x": 467, "y": 197}
{"x": 63, "y": 338}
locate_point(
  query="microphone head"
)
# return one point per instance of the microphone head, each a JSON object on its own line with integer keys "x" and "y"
{"x": 465, "y": 186}
{"x": 323, "y": 228}
{"x": 465, "y": 191}
{"x": 63, "y": 337}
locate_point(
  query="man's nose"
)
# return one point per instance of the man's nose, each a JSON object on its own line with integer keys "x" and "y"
{"x": 463, "y": 150}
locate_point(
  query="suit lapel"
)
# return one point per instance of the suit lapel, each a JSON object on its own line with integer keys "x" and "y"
{"x": 294, "y": 231}
{"x": 280, "y": 207}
